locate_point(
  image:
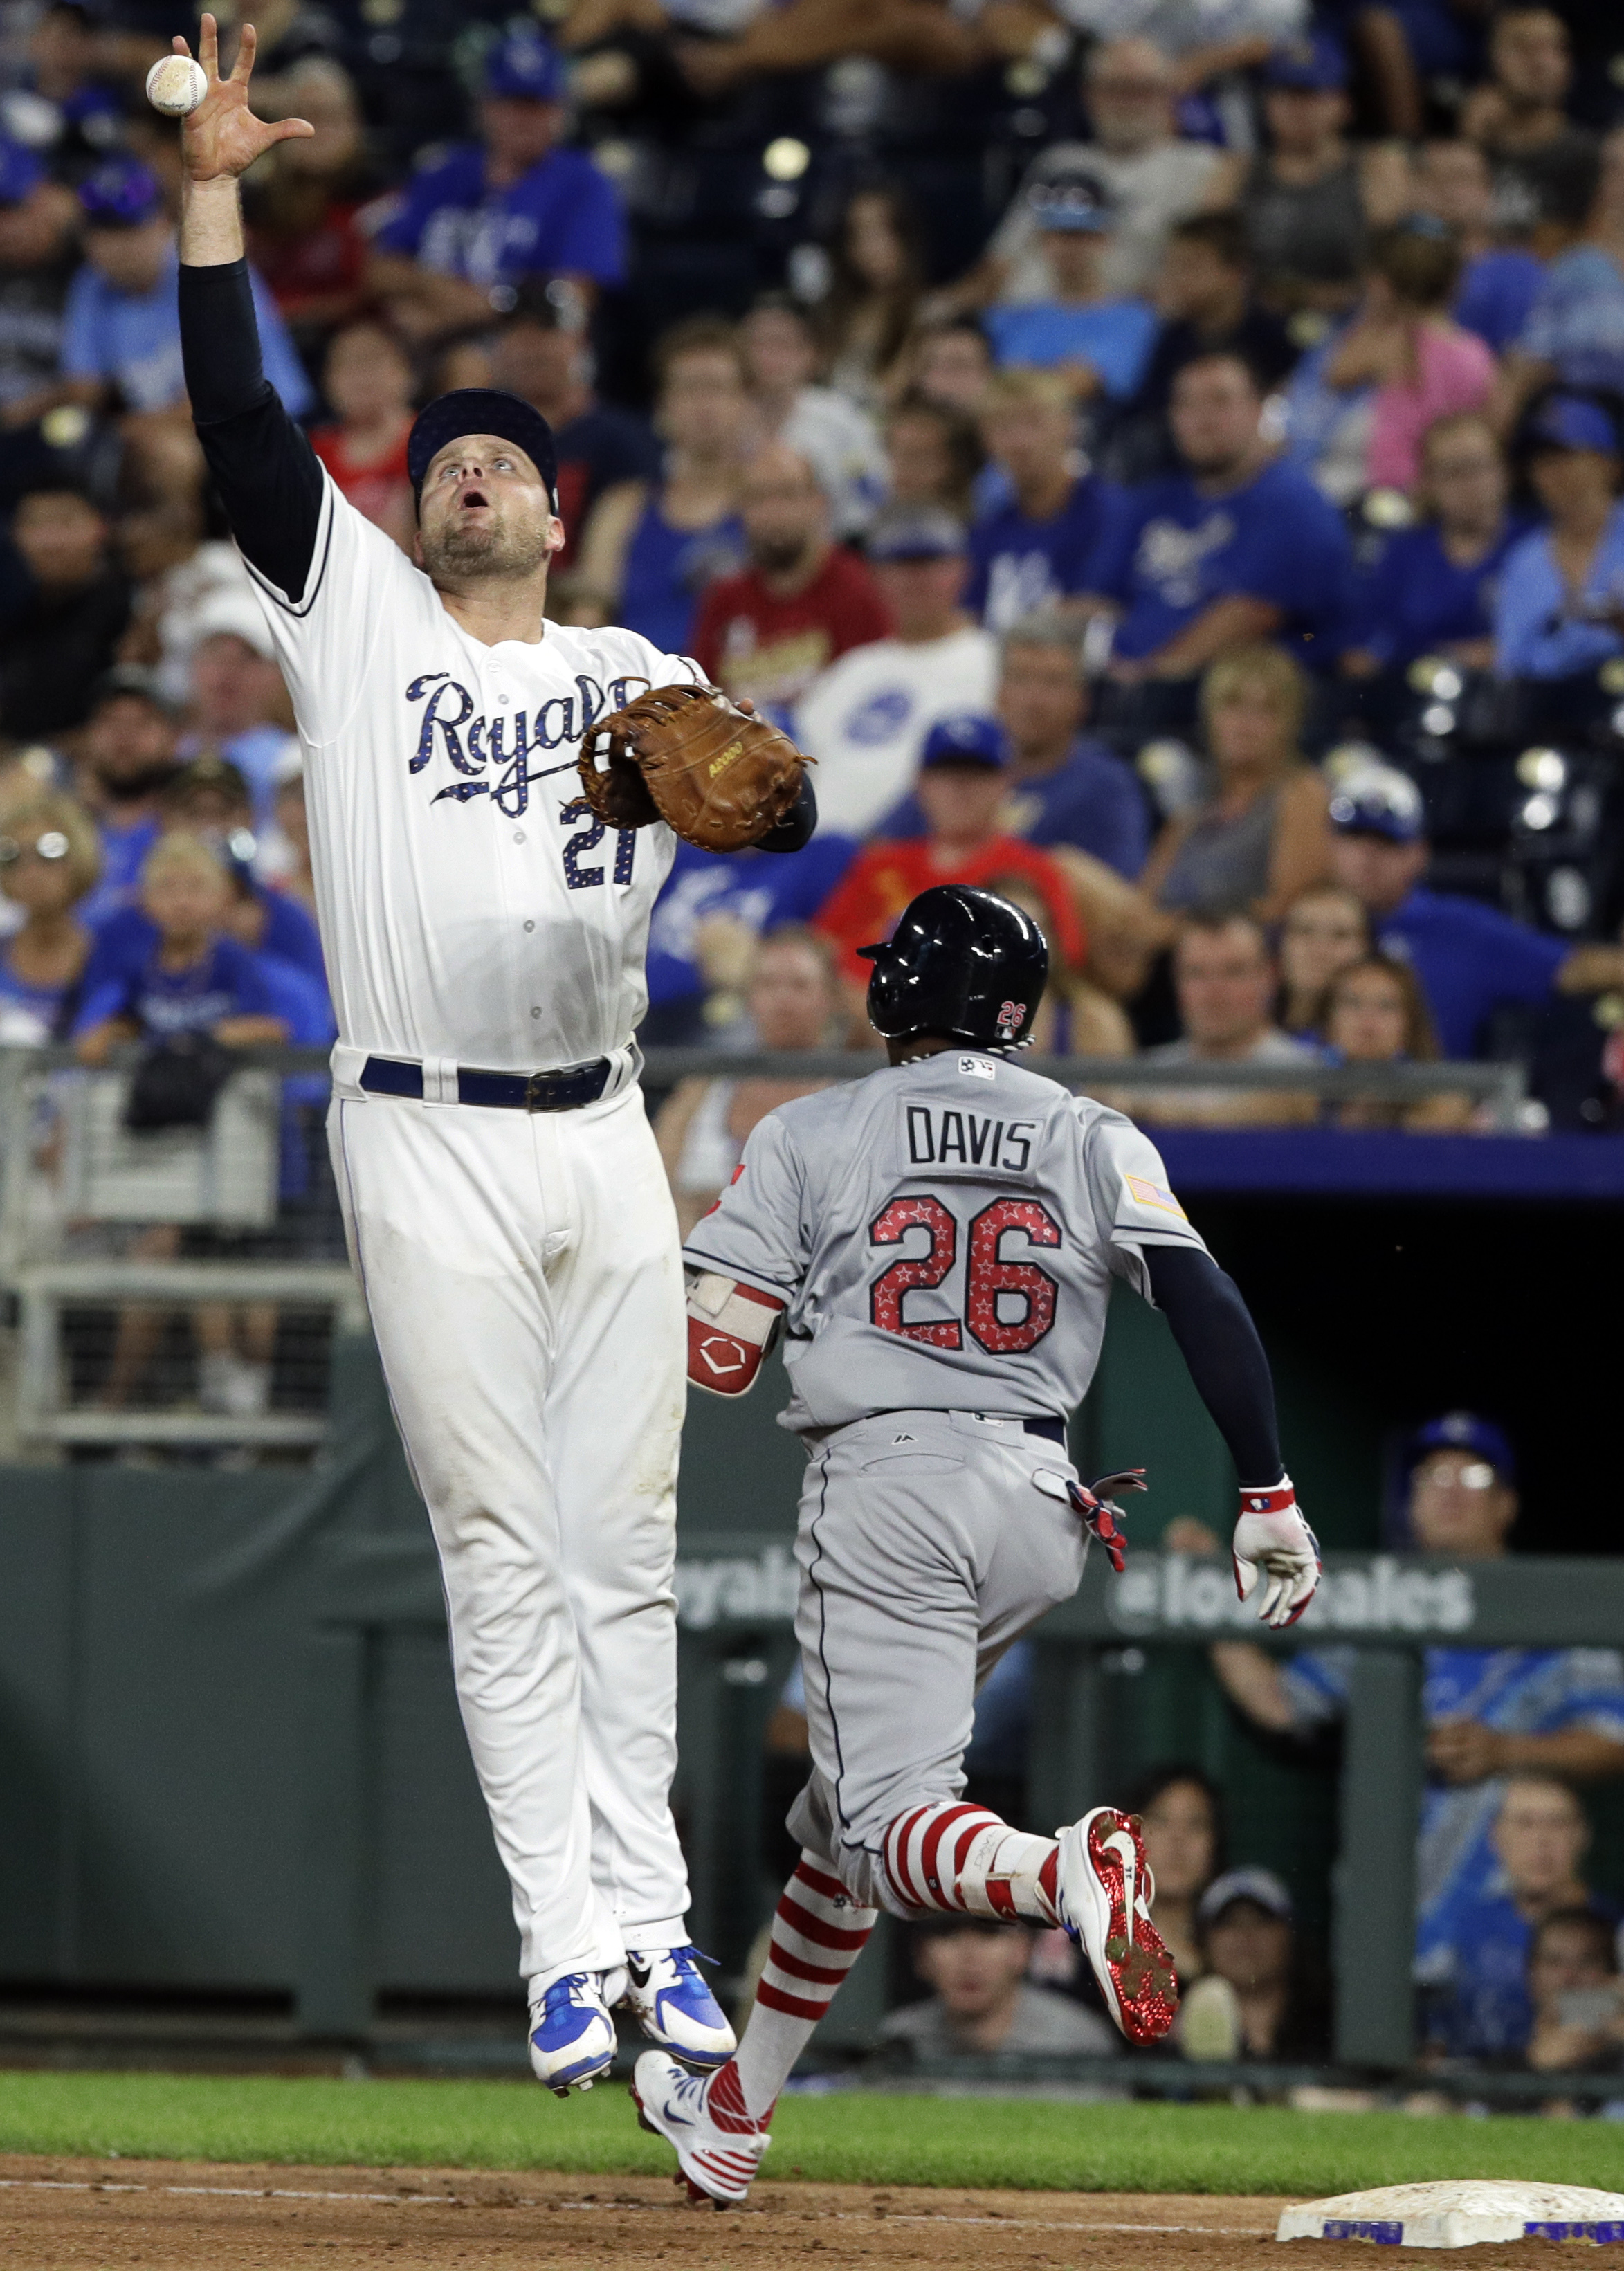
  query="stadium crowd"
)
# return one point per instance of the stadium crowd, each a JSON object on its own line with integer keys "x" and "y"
{"x": 1160, "y": 462}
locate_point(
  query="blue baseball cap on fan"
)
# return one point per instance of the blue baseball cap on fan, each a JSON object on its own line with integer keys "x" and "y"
{"x": 121, "y": 194}
{"x": 1313, "y": 65}
{"x": 21, "y": 173}
{"x": 967, "y": 740}
{"x": 1464, "y": 1430}
{"x": 1569, "y": 422}
{"x": 524, "y": 69}
{"x": 1379, "y": 802}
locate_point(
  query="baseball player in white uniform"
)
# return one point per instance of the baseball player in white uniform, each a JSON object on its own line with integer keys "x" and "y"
{"x": 939, "y": 1243}
{"x": 502, "y": 1191}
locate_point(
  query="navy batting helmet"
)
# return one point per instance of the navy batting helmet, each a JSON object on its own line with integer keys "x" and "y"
{"x": 961, "y": 962}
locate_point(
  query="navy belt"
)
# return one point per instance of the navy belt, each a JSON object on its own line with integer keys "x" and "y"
{"x": 563, "y": 1090}
{"x": 1054, "y": 1429}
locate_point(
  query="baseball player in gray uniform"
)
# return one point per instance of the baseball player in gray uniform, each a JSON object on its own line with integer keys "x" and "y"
{"x": 939, "y": 1242}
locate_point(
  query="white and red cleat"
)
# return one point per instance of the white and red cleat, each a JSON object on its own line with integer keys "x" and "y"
{"x": 701, "y": 2117}
{"x": 1103, "y": 1888}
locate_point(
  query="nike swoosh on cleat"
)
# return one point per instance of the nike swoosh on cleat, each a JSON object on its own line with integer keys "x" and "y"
{"x": 1122, "y": 1845}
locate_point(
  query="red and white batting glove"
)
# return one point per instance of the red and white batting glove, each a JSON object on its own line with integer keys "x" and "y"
{"x": 1102, "y": 1517}
{"x": 1273, "y": 1545}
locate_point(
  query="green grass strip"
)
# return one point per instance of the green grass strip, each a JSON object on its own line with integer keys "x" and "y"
{"x": 868, "y": 2139}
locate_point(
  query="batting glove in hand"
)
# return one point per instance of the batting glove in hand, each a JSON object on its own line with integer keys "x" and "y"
{"x": 1101, "y": 1515}
{"x": 1275, "y": 1547}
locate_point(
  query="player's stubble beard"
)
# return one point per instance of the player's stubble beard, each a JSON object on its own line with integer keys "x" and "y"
{"x": 460, "y": 551}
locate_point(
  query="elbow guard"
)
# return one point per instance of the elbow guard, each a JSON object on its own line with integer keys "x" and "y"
{"x": 730, "y": 1328}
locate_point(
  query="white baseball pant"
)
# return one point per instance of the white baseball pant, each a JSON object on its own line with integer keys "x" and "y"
{"x": 525, "y": 1283}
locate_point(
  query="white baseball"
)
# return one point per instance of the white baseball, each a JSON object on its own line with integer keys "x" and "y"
{"x": 176, "y": 85}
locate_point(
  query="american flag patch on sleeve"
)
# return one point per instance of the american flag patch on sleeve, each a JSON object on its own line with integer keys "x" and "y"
{"x": 1151, "y": 1194}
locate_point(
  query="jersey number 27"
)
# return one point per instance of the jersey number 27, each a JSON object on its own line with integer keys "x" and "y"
{"x": 1008, "y": 1306}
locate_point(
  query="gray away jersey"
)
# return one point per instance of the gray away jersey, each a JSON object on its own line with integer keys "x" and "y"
{"x": 944, "y": 1234}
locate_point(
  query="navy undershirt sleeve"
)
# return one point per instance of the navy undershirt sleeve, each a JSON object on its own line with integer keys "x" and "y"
{"x": 265, "y": 471}
{"x": 1218, "y": 1341}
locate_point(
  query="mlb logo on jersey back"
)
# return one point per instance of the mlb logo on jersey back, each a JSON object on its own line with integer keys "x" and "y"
{"x": 978, "y": 1068}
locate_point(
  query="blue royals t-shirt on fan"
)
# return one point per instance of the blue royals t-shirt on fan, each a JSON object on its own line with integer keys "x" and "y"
{"x": 1174, "y": 552}
{"x": 227, "y": 981}
{"x": 561, "y": 215}
{"x": 1018, "y": 566}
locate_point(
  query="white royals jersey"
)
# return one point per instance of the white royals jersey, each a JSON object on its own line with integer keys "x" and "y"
{"x": 472, "y": 910}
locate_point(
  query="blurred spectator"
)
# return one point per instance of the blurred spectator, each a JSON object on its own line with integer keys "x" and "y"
{"x": 706, "y": 921}
{"x": 1561, "y": 604}
{"x": 980, "y": 2003}
{"x": 1573, "y": 1986}
{"x": 1519, "y": 117}
{"x": 1489, "y": 1712}
{"x": 878, "y": 281}
{"x": 239, "y": 705}
{"x": 1064, "y": 789}
{"x": 1375, "y": 1013}
{"x": 1574, "y": 331}
{"x": 1044, "y": 546}
{"x": 127, "y": 760}
{"x": 1421, "y": 365}
{"x": 1476, "y": 1978}
{"x": 792, "y": 996}
{"x": 1432, "y": 589}
{"x": 368, "y": 381}
{"x": 1258, "y": 838}
{"x": 122, "y": 328}
{"x": 186, "y": 976}
{"x": 864, "y": 719}
{"x": 477, "y": 220}
{"x": 1469, "y": 956}
{"x": 648, "y": 553}
{"x": 1224, "y": 978}
{"x": 1325, "y": 931}
{"x": 547, "y": 363}
{"x": 38, "y": 217}
{"x": 62, "y": 631}
{"x": 932, "y": 457}
{"x": 49, "y": 859}
{"x": 838, "y": 441}
{"x": 1203, "y": 294}
{"x": 209, "y": 799}
{"x": 952, "y": 361}
{"x": 174, "y": 571}
{"x": 1310, "y": 197}
{"x": 962, "y": 782}
{"x": 1129, "y": 91}
{"x": 299, "y": 201}
{"x": 64, "y": 107}
{"x": 1500, "y": 281}
{"x": 1257, "y": 1998}
{"x": 1099, "y": 342}
{"x": 1181, "y": 1815}
{"x": 1236, "y": 546}
{"x": 801, "y": 603}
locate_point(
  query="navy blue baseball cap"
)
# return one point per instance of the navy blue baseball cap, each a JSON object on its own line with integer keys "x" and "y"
{"x": 524, "y": 69}
{"x": 1569, "y": 421}
{"x": 481, "y": 410}
{"x": 1380, "y": 800}
{"x": 122, "y": 193}
{"x": 1075, "y": 200}
{"x": 1314, "y": 66}
{"x": 1261, "y": 1886}
{"x": 21, "y": 173}
{"x": 916, "y": 533}
{"x": 967, "y": 740}
{"x": 1464, "y": 1430}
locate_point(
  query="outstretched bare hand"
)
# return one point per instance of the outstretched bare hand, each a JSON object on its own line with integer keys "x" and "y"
{"x": 222, "y": 138}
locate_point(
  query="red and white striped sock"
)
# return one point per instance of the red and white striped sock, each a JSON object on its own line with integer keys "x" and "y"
{"x": 952, "y": 1859}
{"x": 818, "y": 1934}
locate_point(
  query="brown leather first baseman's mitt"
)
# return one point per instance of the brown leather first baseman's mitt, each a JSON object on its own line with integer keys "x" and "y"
{"x": 687, "y": 756}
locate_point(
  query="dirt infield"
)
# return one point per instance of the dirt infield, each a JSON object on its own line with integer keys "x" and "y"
{"x": 168, "y": 2216}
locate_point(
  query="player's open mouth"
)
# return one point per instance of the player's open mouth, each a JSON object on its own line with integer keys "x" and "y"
{"x": 471, "y": 497}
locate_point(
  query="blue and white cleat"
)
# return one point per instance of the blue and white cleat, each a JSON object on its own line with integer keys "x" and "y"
{"x": 719, "y": 2150}
{"x": 572, "y": 2038}
{"x": 673, "y": 2004}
